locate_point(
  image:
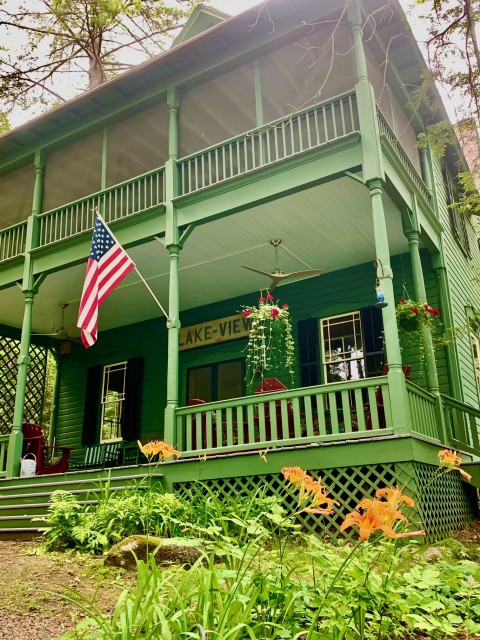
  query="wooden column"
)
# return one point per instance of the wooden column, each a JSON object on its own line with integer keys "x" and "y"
{"x": 173, "y": 245}
{"x": 29, "y": 288}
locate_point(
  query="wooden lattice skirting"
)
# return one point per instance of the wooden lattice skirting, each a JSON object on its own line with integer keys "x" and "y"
{"x": 444, "y": 503}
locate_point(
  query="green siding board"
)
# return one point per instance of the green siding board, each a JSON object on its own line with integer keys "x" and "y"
{"x": 461, "y": 271}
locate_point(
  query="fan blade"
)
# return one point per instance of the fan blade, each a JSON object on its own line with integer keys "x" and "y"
{"x": 264, "y": 273}
{"x": 298, "y": 274}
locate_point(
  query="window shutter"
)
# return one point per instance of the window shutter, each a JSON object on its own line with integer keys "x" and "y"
{"x": 92, "y": 404}
{"x": 308, "y": 351}
{"x": 372, "y": 328}
{"x": 133, "y": 399}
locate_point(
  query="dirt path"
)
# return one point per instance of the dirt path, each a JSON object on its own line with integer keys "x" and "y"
{"x": 28, "y": 608}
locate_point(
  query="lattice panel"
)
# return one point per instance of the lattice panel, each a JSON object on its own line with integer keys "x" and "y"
{"x": 445, "y": 503}
{"x": 9, "y": 351}
{"x": 446, "y": 506}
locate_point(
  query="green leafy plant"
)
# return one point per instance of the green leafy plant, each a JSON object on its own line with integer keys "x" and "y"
{"x": 270, "y": 346}
{"x": 412, "y": 314}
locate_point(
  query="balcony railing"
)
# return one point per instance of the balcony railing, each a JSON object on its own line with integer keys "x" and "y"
{"x": 13, "y": 241}
{"x": 422, "y": 409}
{"x": 275, "y": 141}
{"x": 338, "y": 411}
{"x": 3, "y": 455}
{"x": 387, "y": 132}
{"x": 119, "y": 201}
{"x": 463, "y": 423}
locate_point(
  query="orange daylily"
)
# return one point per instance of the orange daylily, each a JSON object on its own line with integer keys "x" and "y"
{"x": 394, "y": 497}
{"x": 376, "y": 516}
{"x": 158, "y": 447}
{"x": 452, "y": 461}
{"x": 320, "y": 503}
{"x": 295, "y": 475}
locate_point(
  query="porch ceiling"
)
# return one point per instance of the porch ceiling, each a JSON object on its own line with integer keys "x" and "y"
{"x": 328, "y": 226}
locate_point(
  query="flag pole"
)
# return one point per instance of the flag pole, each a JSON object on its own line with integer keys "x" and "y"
{"x": 97, "y": 212}
{"x": 151, "y": 292}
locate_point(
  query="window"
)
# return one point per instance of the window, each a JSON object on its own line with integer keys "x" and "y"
{"x": 219, "y": 381}
{"x": 476, "y": 356}
{"x": 113, "y": 401}
{"x": 342, "y": 348}
{"x": 457, "y": 219}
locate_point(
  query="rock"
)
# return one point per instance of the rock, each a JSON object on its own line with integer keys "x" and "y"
{"x": 433, "y": 553}
{"x": 167, "y": 551}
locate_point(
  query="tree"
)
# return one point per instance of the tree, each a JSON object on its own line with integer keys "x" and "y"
{"x": 452, "y": 48}
{"x": 85, "y": 41}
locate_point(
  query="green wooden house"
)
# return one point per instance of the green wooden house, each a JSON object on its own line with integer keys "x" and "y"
{"x": 291, "y": 122}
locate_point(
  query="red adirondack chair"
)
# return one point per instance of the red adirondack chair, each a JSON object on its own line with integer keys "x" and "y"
{"x": 33, "y": 442}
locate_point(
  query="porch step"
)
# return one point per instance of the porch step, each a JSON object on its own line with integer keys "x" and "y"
{"x": 23, "y": 499}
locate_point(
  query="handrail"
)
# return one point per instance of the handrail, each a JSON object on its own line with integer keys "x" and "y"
{"x": 3, "y": 455}
{"x": 423, "y": 410}
{"x": 13, "y": 240}
{"x": 337, "y": 411}
{"x": 282, "y": 138}
{"x": 387, "y": 132}
{"x": 463, "y": 422}
{"x": 114, "y": 203}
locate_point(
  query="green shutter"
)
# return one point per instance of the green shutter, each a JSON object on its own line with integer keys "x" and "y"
{"x": 308, "y": 351}
{"x": 133, "y": 399}
{"x": 92, "y": 404}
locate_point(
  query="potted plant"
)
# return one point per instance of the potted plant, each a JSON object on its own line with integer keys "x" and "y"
{"x": 412, "y": 315}
{"x": 270, "y": 342}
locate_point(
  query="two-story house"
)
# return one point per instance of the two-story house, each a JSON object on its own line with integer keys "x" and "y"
{"x": 291, "y": 122}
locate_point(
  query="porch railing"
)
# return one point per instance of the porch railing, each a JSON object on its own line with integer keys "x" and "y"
{"x": 463, "y": 423}
{"x": 386, "y": 131}
{"x": 3, "y": 455}
{"x": 423, "y": 411}
{"x": 275, "y": 141}
{"x": 332, "y": 412}
{"x": 13, "y": 240}
{"x": 119, "y": 201}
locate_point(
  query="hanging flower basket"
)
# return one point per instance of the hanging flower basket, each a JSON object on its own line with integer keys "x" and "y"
{"x": 412, "y": 315}
{"x": 270, "y": 343}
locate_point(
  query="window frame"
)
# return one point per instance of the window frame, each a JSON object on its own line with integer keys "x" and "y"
{"x": 356, "y": 315}
{"x": 214, "y": 380}
{"x": 103, "y": 403}
{"x": 458, "y": 223}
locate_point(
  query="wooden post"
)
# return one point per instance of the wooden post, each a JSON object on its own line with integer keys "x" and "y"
{"x": 173, "y": 245}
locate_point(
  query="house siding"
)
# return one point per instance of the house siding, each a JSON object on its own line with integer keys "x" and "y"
{"x": 461, "y": 272}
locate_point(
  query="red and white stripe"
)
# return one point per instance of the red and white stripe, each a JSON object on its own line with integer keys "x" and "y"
{"x": 101, "y": 278}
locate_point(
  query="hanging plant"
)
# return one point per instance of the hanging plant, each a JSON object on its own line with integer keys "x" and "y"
{"x": 270, "y": 343}
{"x": 412, "y": 315}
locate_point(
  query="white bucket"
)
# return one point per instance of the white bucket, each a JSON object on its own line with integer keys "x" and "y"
{"x": 28, "y": 467}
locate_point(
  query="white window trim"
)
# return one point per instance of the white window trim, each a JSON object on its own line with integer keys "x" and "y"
{"x": 325, "y": 360}
{"x": 102, "y": 403}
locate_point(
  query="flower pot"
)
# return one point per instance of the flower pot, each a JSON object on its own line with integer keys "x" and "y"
{"x": 410, "y": 324}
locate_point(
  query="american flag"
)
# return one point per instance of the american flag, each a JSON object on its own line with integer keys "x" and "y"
{"x": 107, "y": 265}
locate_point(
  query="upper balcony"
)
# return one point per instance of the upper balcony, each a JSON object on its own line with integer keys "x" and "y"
{"x": 307, "y": 130}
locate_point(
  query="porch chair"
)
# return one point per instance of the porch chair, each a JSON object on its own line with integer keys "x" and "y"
{"x": 270, "y": 385}
{"x": 33, "y": 442}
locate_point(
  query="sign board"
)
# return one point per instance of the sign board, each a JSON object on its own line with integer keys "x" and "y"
{"x": 213, "y": 332}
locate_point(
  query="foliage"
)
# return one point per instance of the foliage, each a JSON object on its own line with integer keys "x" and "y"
{"x": 268, "y": 587}
{"x": 416, "y": 314}
{"x": 92, "y": 528}
{"x": 438, "y": 136}
{"x": 270, "y": 346}
{"x": 95, "y": 39}
{"x": 452, "y": 47}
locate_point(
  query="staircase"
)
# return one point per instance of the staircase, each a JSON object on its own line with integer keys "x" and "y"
{"x": 23, "y": 499}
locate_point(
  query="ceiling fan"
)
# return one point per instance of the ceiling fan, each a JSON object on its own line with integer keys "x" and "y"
{"x": 62, "y": 333}
{"x": 277, "y": 276}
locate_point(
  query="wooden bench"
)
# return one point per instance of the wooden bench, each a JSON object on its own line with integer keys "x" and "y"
{"x": 97, "y": 456}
